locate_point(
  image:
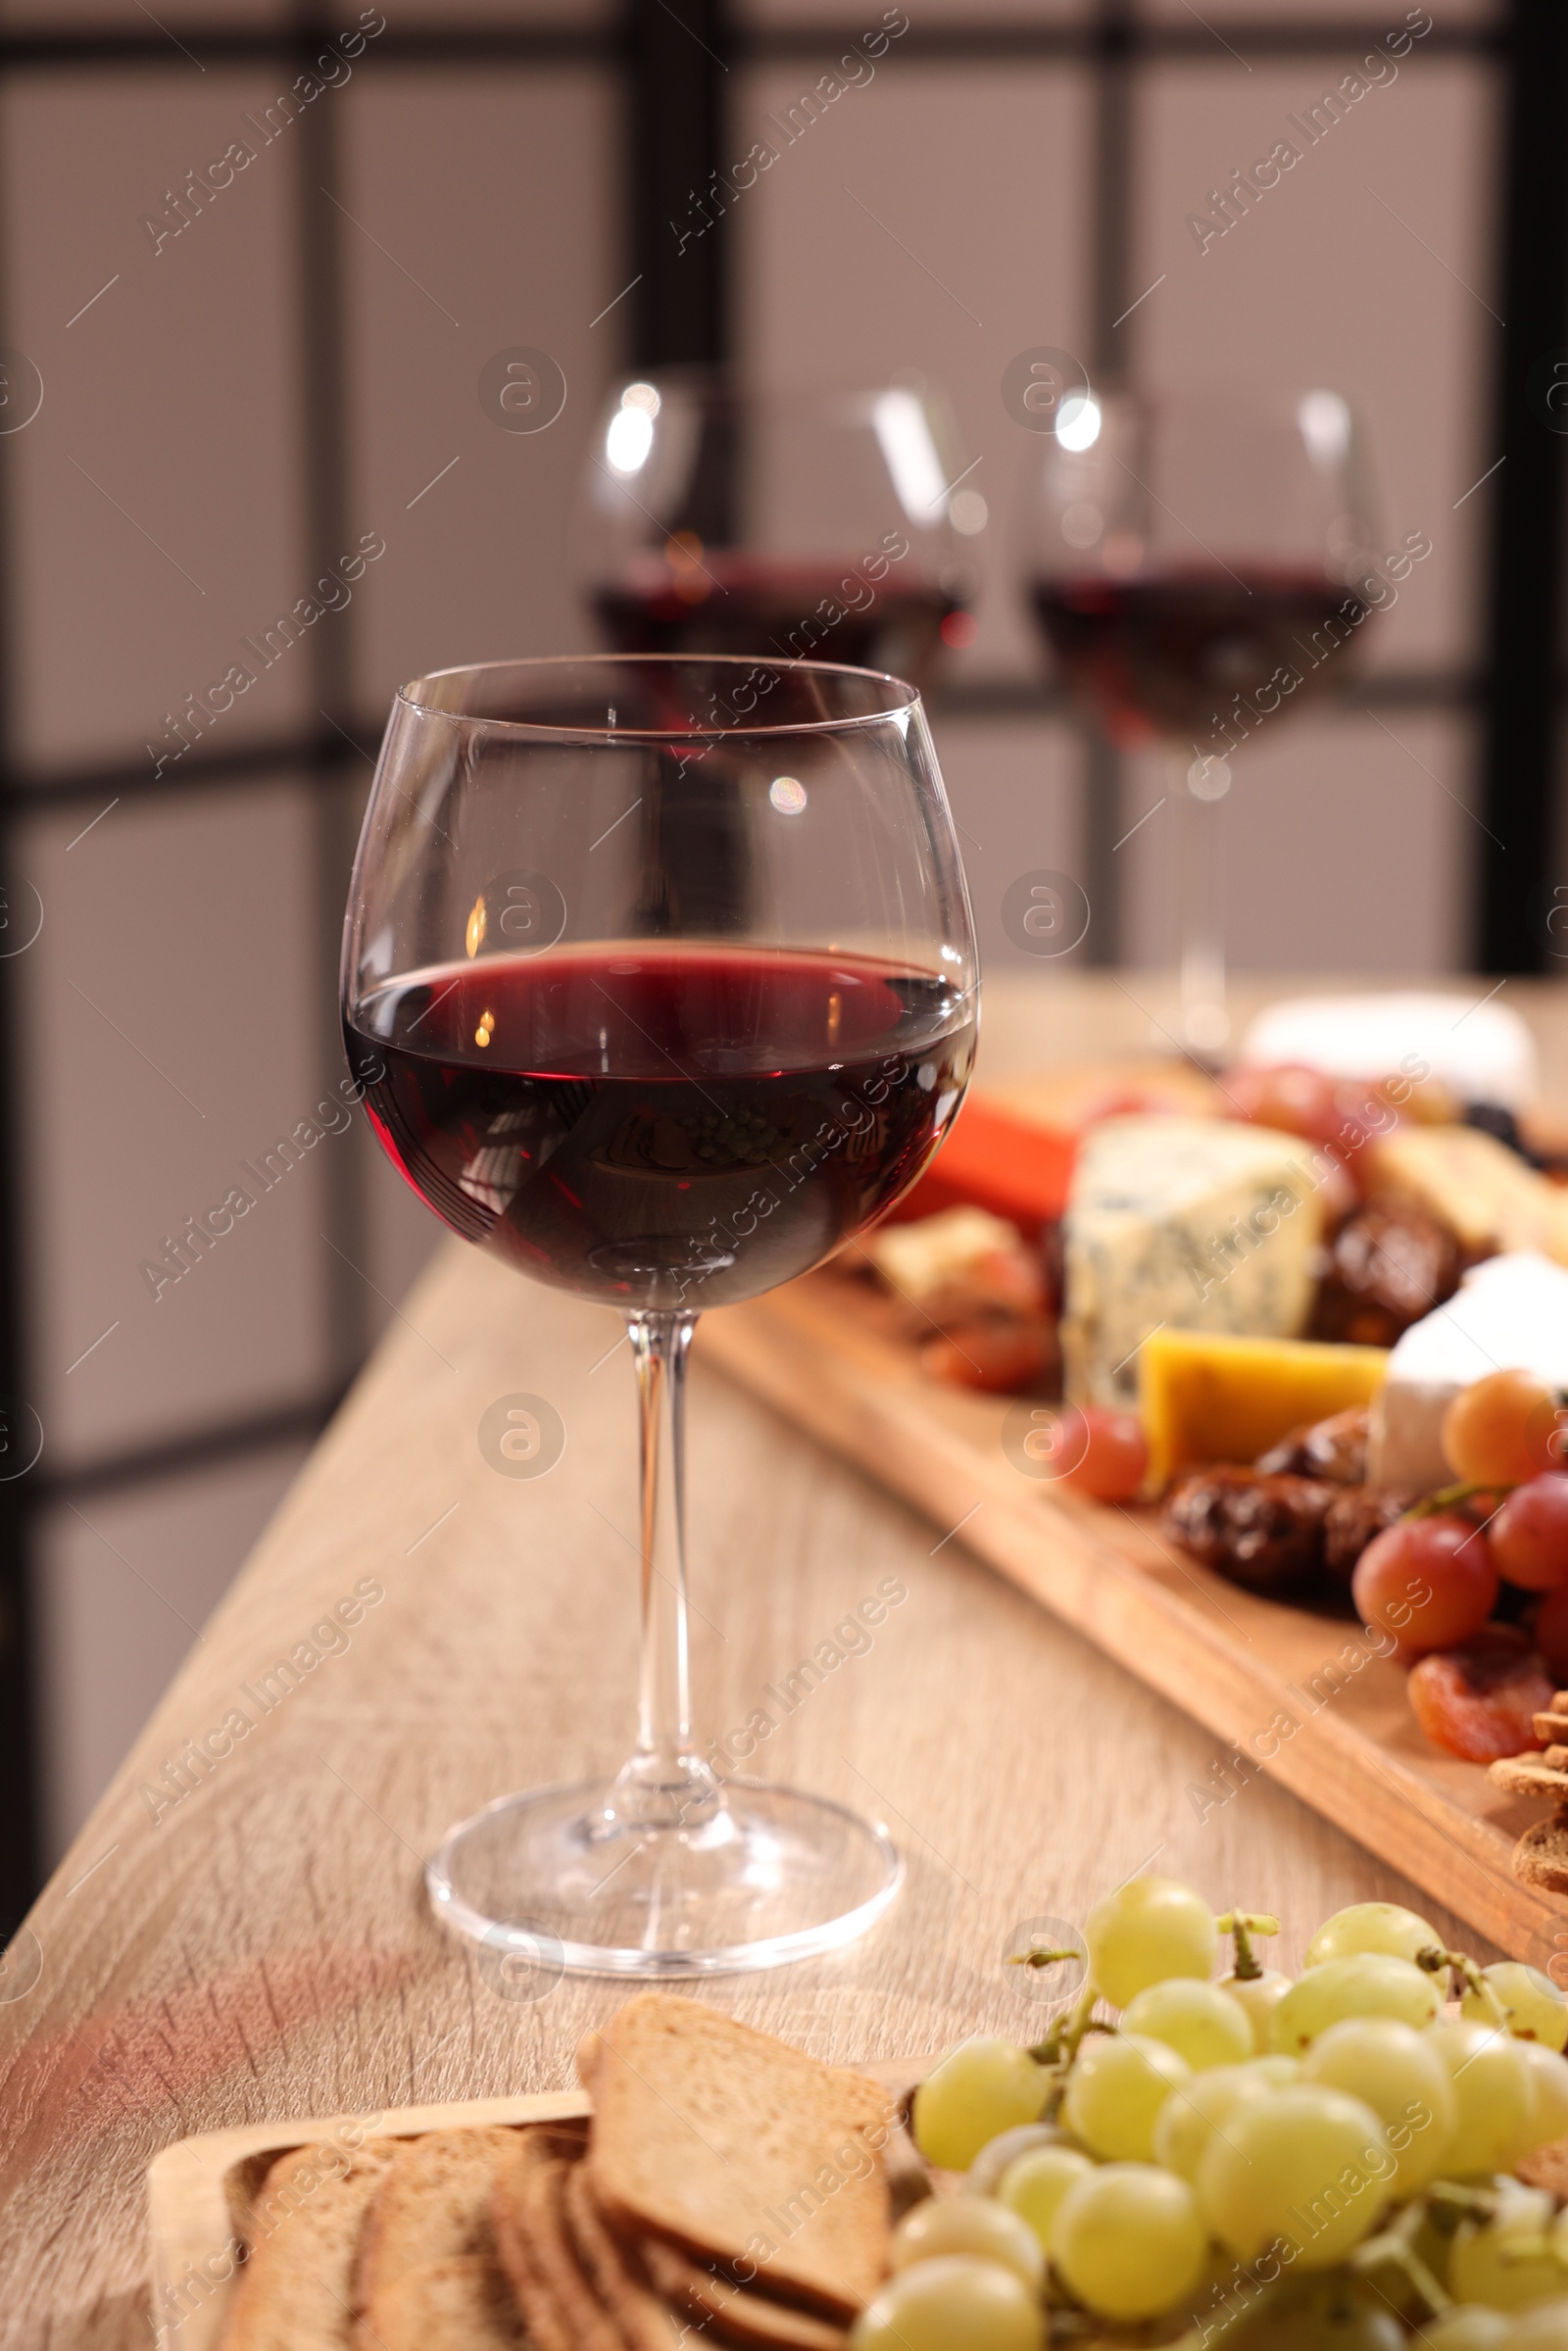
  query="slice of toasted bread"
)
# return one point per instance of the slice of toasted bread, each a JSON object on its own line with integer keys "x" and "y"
{"x": 619, "y": 2276}
{"x": 295, "y": 2292}
{"x": 433, "y": 2205}
{"x": 1541, "y": 1857}
{"x": 732, "y": 2313}
{"x": 1529, "y": 1775}
{"x": 743, "y": 2152}
{"x": 517, "y": 2167}
{"x": 431, "y": 2212}
{"x": 462, "y": 2304}
{"x": 544, "y": 2215}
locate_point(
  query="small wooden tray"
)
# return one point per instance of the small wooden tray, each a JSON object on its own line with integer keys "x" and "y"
{"x": 1288, "y": 1690}
{"x": 199, "y": 2190}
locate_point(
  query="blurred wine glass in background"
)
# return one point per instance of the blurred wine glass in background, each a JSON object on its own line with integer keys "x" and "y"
{"x": 1198, "y": 564}
{"x": 834, "y": 526}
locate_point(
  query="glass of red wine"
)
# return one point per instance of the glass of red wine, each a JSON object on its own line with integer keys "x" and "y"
{"x": 1198, "y": 563}
{"x": 660, "y": 979}
{"x": 831, "y": 526}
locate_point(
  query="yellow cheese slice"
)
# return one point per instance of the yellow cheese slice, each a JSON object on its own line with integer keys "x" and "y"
{"x": 1481, "y": 1190}
{"x": 1208, "y": 1398}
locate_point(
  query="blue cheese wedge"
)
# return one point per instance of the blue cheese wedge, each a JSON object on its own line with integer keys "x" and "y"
{"x": 1509, "y": 1314}
{"x": 1186, "y": 1224}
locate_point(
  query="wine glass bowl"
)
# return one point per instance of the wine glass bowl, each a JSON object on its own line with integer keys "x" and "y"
{"x": 1196, "y": 564}
{"x": 658, "y": 978}
{"x": 827, "y": 525}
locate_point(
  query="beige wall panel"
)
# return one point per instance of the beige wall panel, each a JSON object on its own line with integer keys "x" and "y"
{"x": 1349, "y": 845}
{"x": 169, "y": 1025}
{"x": 1384, "y": 20}
{"x": 1347, "y": 274}
{"x": 190, "y": 17}
{"x": 869, "y": 16}
{"x": 1015, "y": 787}
{"x": 495, "y": 192}
{"x": 978, "y": 251}
{"x": 157, "y": 489}
{"x": 575, "y": 16}
{"x": 125, "y": 1584}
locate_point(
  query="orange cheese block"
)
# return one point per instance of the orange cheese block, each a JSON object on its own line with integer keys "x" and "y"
{"x": 1012, "y": 1146}
{"x": 990, "y": 1160}
{"x": 1208, "y": 1397}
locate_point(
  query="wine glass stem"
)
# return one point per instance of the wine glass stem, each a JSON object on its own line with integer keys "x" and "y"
{"x": 664, "y": 1784}
{"x": 1201, "y": 922}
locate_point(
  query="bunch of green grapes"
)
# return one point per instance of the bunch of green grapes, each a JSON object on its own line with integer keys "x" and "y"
{"x": 1265, "y": 2163}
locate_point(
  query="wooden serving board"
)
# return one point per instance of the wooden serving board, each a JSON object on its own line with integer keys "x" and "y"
{"x": 1288, "y": 1690}
{"x": 199, "y": 2190}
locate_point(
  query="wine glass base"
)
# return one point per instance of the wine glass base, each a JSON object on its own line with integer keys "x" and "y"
{"x": 549, "y": 1886}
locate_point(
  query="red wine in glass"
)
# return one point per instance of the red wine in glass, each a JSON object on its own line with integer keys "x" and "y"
{"x": 1163, "y": 658}
{"x": 695, "y": 1123}
{"x": 728, "y": 604}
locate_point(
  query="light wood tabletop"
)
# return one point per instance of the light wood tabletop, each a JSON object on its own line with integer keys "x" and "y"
{"x": 251, "y": 1940}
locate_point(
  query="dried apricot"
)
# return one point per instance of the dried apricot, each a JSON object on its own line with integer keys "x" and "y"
{"x": 1478, "y": 1702}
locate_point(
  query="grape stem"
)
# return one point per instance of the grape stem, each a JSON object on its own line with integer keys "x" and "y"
{"x": 1060, "y": 2045}
{"x": 1241, "y": 1926}
{"x": 1435, "y": 1959}
{"x": 1453, "y": 1495}
{"x": 1393, "y": 2249}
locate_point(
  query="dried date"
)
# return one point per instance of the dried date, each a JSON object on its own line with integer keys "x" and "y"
{"x": 1389, "y": 1263}
{"x": 1334, "y": 1450}
{"x": 1355, "y": 1514}
{"x": 1261, "y": 1530}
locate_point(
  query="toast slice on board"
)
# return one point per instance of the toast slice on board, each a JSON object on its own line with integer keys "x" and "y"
{"x": 428, "y": 2276}
{"x": 296, "y": 2291}
{"x": 742, "y": 2152}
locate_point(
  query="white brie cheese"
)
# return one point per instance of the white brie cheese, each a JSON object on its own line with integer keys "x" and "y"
{"x": 1187, "y": 1224}
{"x": 1508, "y": 1314}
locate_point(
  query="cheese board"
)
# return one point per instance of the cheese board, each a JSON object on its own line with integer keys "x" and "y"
{"x": 1298, "y": 1693}
{"x": 201, "y": 2191}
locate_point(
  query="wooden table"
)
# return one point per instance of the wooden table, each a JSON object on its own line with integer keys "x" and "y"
{"x": 258, "y": 1946}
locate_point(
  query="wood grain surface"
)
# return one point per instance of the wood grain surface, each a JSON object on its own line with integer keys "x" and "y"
{"x": 261, "y": 1948}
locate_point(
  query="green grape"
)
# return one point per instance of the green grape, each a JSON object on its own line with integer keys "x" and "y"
{"x": 1034, "y": 2186}
{"x": 1465, "y": 2328}
{"x": 976, "y": 2225}
{"x": 1365, "y": 1984}
{"x": 1260, "y": 1996}
{"x": 1186, "y": 2125}
{"x": 1511, "y": 2261}
{"x": 954, "y": 2299}
{"x": 1543, "y": 2328}
{"x": 1404, "y": 2081}
{"x": 1534, "y": 2008}
{"x": 1548, "y": 2094}
{"x": 1308, "y": 2165}
{"x": 983, "y": 2086}
{"x": 1199, "y": 2020}
{"x": 1115, "y": 2090}
{"x": 1372, "y": 1926}
{"x": 1492, "y": 2082}
{"x": 998, "y": 2154}
{"x": 1147, "y": 1930}
{"x": 1277, "y": 2070}
{"x": 1129, "y": 2240}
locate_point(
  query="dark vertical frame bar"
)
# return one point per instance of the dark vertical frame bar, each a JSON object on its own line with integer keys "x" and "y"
{"x": 21, "y": 1759}
{"x": 1102, "y": 766}
{"x": 1525, "y": 596}
{"x": 336, "y": 763}
{"x": 677, "y": 63}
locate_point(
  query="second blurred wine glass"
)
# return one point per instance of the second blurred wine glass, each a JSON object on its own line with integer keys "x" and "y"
{"x": 1197, "y": 563}
{"x": 829, "y": 525}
